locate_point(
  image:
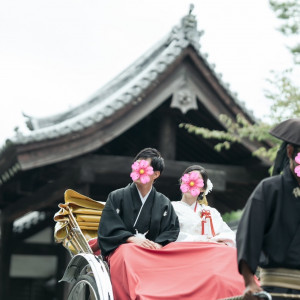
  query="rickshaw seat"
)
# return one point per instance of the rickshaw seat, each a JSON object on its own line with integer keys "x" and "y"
{"x": 94, "y": 246}
{"x": 77, "y": 222}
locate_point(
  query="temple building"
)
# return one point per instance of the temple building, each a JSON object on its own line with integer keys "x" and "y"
{"x": 90, "y": 149}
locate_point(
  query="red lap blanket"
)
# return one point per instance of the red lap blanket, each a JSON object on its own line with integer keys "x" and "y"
{"x": 190, "y": 270}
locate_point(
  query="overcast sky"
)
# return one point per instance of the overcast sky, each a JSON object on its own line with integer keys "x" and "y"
{"x": 54, "y": 54}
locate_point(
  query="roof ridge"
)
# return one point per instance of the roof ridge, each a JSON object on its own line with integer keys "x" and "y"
{"x": 150, "y": 65}
{"x": 187, "y": 30}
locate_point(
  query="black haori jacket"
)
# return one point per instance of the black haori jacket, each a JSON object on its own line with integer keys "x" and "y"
{"x": 268, "y": 234}
{"x": 157, "y": 219}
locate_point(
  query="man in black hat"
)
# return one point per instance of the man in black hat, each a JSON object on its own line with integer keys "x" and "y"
{"x": 268, "y": 234}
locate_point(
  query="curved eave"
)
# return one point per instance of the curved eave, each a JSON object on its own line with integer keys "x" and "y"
{"x": 132, "y": 92}
{"x": 180, "y": 36}
{"x": 106, "y": 91}
{"x": 100, "y": 124}
{"x": 128, "y": 94}
{"x": 9, "y": 164}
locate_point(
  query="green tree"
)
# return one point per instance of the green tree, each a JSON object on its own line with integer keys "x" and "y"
{"x": 289, "y": 14}
{"x": 282, "y": 92}
{"x": 237, "y": 130}
{"x": 284, "y": 95}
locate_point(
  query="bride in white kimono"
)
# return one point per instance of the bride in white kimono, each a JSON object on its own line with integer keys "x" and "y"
{"x": 198, "y": 221}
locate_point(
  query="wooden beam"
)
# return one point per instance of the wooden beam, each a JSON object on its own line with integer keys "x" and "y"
{"x": 174, "y": 170}
{"x": 119, "y": 167}
{"x": 227, "y": 173}
{"x": 115, "y": 166}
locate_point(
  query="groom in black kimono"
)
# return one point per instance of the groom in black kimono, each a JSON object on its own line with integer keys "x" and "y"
{"x": 138, "y": 213}
{"x": 268, "y": 234}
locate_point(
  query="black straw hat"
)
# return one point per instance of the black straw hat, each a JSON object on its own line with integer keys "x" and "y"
{"x": 288, "y": 131}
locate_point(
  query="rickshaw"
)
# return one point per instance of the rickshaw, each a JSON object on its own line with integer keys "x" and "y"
{"x": 76, "y": 228}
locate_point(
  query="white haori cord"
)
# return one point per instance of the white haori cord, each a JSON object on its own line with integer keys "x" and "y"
{"x": 137, "y": 234}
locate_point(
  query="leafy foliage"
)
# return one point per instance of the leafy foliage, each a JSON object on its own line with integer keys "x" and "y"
{"x": 283, "y": 93}
{"x": 289, "y": 13}
{"x": 285, "y": 96}
{"x": 237, "y": 130}
{"x": 232, "y": 216}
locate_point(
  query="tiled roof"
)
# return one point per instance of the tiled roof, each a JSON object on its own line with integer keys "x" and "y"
{"x": 125, "y": 89}
{"x": 28, "y": 221}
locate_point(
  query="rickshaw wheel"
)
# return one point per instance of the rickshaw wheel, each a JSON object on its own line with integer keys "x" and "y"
{"x": 85, "y": 288}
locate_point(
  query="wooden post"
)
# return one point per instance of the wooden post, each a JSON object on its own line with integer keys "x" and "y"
{"x": 5, "y": 255}
{"x": 167, "y": 137}
{"x": 63, "y": 258}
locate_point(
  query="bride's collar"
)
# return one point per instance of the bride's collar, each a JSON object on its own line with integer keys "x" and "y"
{"x": 189, "y": 205}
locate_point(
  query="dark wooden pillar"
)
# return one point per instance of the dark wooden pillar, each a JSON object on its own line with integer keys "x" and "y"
{"x": 63, "y": 258}
{"x": 5, "y": 255}
{"x": 167, "y": 137}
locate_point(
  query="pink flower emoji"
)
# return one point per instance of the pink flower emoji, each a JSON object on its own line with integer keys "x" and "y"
{"x": 141, "y": 170}
{"x": 297, "y": 169}
{"x": 192, "y": 183}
